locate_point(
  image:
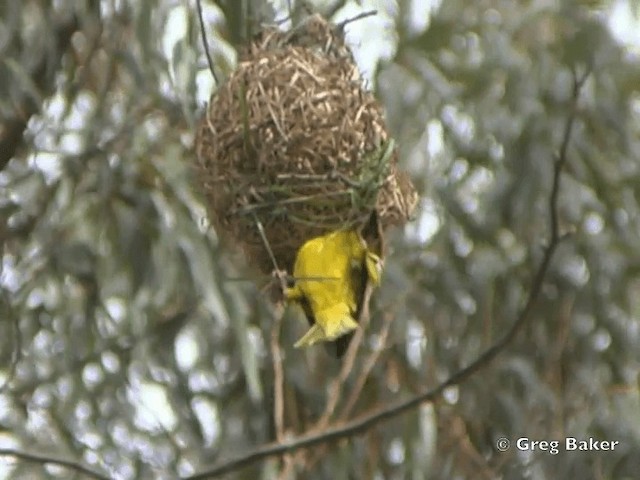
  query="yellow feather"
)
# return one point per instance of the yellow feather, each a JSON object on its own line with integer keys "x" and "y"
{"x": 328, "y": 272}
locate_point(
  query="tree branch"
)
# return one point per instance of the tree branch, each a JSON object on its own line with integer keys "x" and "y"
{"x": 205, "y": 43}
{"x": 365, "y": 422}
{"x": 10, "y": 316}
{"x": 61, "y": 462}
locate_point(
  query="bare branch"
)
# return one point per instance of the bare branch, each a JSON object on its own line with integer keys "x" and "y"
{"x": 337, "y": 385}
{"x": 369, "y": 363}
{"x": 44, "y": 459}
{"x": 17, "y": 341}
{"x": 367, "y": 367}
{"x": 360, "y": 16}
{"x": 348, "y": 362}
{"x": 366, "y": 422}
{"x": 205, "y": 43}
{"x": 278, "y": 374}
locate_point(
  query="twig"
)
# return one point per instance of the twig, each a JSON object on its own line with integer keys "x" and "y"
{"x": 340, "y": 26}
{"x": 366, "y": 370}
{"x": 271, "y": 205}
{"x": 17, "y": 341}
{"x": 475, "y": 465}
{"x": 265, "y": 241}
{"x": 348, "y": 362}
{"x": 365, "y": 422}
{"x": 362, "y": 378}
{"x": 205, "y": 43}
{"x": 278, "y": 375}
{"x": 44, "y": 459}
{"x": 337, "y": 384}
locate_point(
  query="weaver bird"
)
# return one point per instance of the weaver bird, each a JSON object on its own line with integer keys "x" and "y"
{"x": 331, "y": 275}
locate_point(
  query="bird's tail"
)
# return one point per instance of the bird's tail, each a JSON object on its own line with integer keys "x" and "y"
{"x": 335, "y": 327}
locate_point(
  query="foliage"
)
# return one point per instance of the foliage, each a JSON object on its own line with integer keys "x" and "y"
{"x": 135, "y": 344}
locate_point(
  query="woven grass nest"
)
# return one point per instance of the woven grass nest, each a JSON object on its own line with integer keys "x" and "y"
{"x": 293, "y": 142}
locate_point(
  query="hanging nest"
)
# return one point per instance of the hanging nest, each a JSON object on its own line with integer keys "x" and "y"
{"x": 293, "y": 141}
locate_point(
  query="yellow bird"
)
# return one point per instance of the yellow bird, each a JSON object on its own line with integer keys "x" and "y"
{"x": 331, "y": 273}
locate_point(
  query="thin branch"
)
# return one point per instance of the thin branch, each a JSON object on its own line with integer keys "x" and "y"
{"x": 349, "y": 360}
{"x": 278, "y": 387}
{"x": 265, "y": 242}
{"x": 336, "y": 387}
{"x": 354, "y": 395}
{"x": 473, "y": 462}
{"x": 17, "y": 342}
{"x": 44, "y": 459}
{"x": 205, "y": 43}
{"x": 360, "y": 16}
{"x": 561, "y": 159}
{"x": 278, "y": 375}
{"x": 366, "y": 422}
{"x": 367, "y": 368}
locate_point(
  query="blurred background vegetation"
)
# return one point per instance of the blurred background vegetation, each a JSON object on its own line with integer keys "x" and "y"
{"x": 132, "y": 342}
